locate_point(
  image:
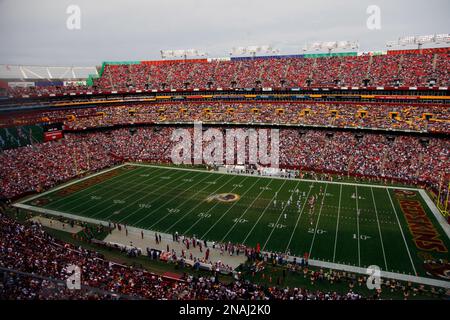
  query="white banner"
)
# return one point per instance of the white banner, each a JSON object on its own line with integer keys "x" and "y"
{"x": 219, "y": 59}
{"x": 182, "y": 53}
{"x": 23, "y": 84}
{"x": 74, "y": 83}
{"x": 253, "y": 50}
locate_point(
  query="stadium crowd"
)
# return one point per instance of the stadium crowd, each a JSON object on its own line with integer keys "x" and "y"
{"x": 36, "y": 167}
{"x": 35, "y": 266}
{"x": 27, "y": 248}
{"x": 15, "y": 286}
{"x": 407, "y": 69}
{"x": 431, "y": 118}
{"x": 405, "y": 158}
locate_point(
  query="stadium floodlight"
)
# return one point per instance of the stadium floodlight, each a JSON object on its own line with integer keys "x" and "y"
{"x": 442, "y": 38}
{"x": 425, "y": 39}
{"x": 237, "y": 51}
{"x": 406, "y": 40}
{"x": 419, "y": 40}
{"x": 315, "y": 46}
{"x": 390, "y": 44}
{"x": 331, "y": 45}
{"x": 253, "y": 50}
{"x": 182, "y": 53}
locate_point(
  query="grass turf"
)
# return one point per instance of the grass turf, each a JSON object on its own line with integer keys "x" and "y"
{"x": 169, "y": 199}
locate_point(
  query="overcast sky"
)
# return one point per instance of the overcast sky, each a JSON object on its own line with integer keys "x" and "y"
{"x": 35, "y": 32}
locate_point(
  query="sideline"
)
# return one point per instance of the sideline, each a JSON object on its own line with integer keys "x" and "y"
{"x": 318, "y": 263}
{"x": 281, "y": 178}
{"x": 437, "y": 214}
{"x": 68, "y": 184}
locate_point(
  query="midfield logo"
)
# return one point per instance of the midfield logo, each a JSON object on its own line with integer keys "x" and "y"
{"x": 224, "y": 197}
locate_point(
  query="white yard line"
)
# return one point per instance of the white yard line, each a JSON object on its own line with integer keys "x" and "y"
{"x": 262, "y": 214}
{"x": 68, "y": 184}
{"x": 337, "y": 224}
{"x": 199, "y": 204}
{"x": 430, "y": 204}
{"x": 281, "y": 178}
{"x": 116, "y": 195}
{"x": 357, "y": 226}
{"x": 224, "y": 214}
{"x": 329, "y": 265}
{"x": 153, "y": 200}
{"x": 245, "y": 211}
{"x": 401, "y": 231}
{"x": 298, "y": 219}
{"x": 276, "y": 223}
{"x": 164, "y": 204}
{"x": 186, "y": 169}
{"x": 384, "y": 274}
{"x": 65, "y": 201}
{"x": 108, "y": 198}
{"x": 194, "y": 195}
{"x": 317, "y": 222}
{"x": 437, "y": 214}
{"x": 379, "y": 230}
{"x": 133, "y": 178}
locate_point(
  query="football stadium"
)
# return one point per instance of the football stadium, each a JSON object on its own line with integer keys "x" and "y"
{"x": 264, "y": 173}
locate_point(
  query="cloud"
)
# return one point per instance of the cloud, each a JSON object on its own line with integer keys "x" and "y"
{"x": 34, "y": 32}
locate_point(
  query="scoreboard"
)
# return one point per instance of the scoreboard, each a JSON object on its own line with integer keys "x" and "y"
{"x": 53, "y": 131}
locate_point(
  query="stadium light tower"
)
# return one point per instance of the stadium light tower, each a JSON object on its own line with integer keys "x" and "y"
{"x": 419, "y": 40}
{"x": 182, "y": 53}
{"x": 253, "y": 50}
{"x": 331, "y": 45}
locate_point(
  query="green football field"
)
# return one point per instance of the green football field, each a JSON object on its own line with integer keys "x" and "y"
{"x": 349, "y": 224}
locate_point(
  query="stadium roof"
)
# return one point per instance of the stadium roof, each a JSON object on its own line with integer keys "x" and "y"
{"x": 45, "y": 72}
